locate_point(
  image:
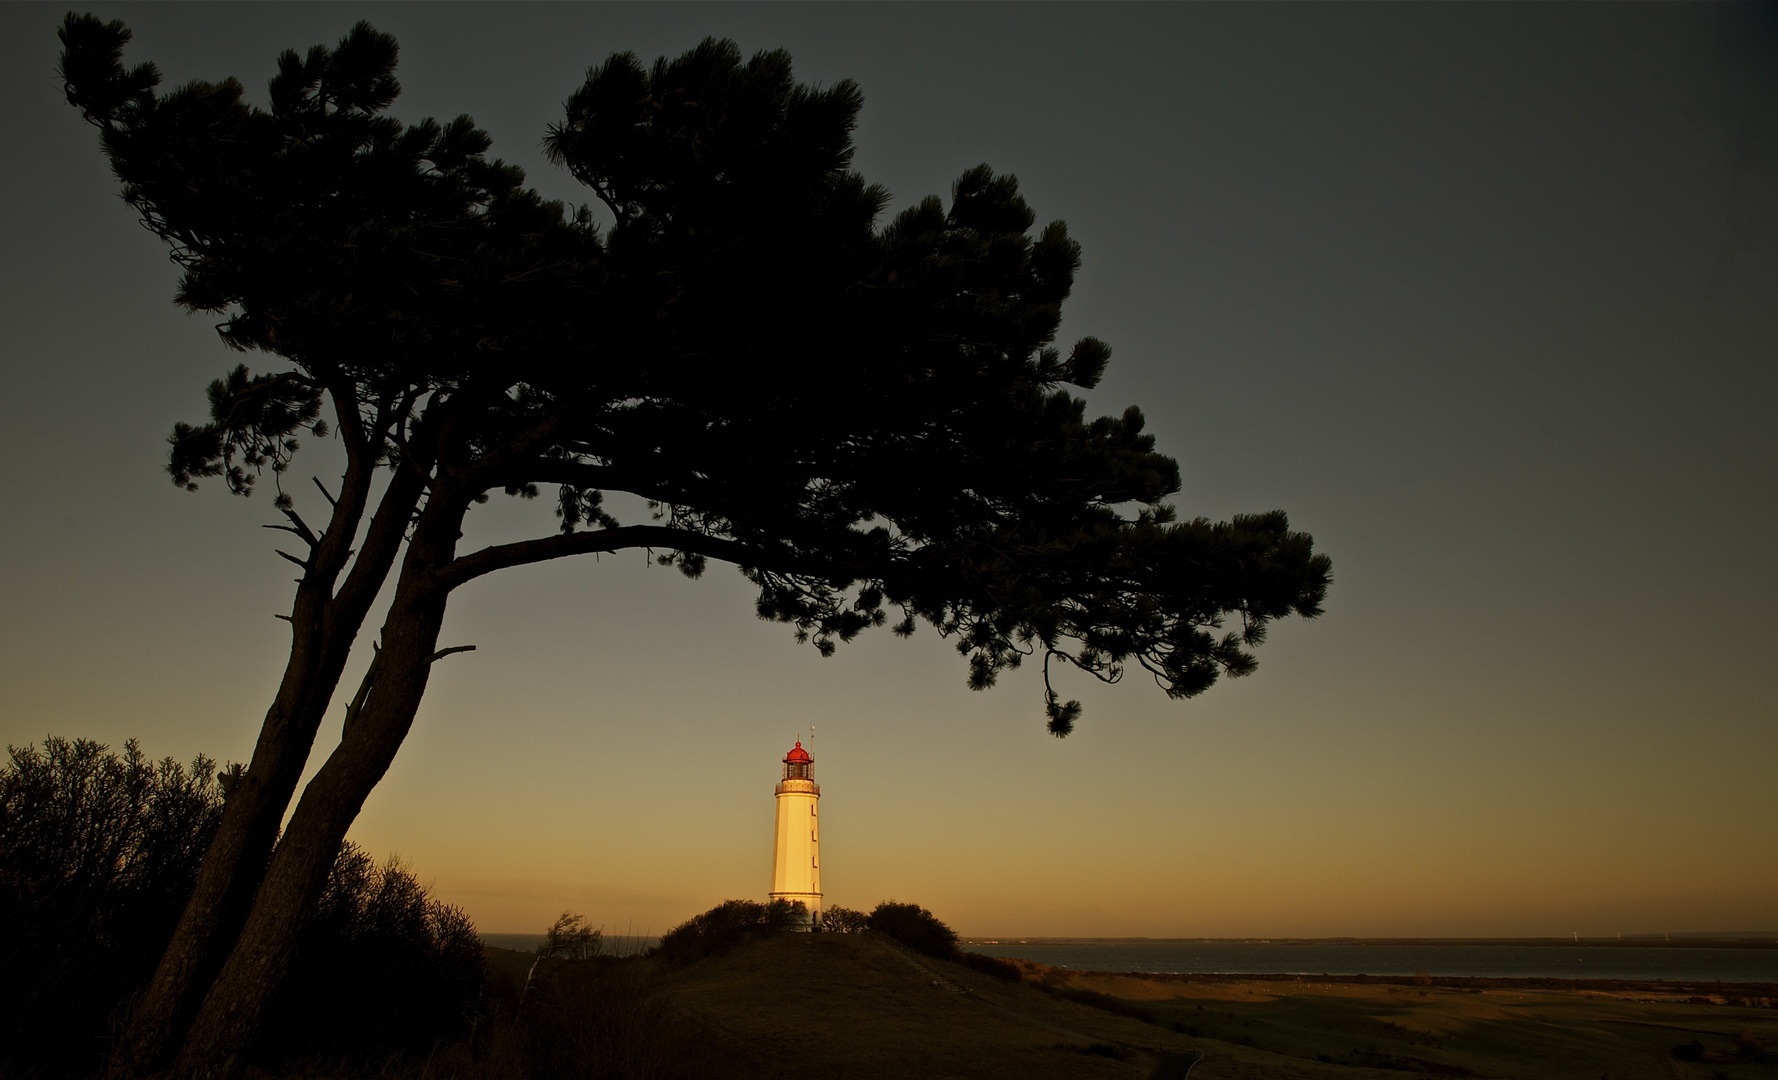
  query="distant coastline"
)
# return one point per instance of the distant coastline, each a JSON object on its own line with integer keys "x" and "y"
{"x": 1737, "y": 939}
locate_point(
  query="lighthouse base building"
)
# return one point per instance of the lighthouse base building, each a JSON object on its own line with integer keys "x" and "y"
{"x": 796, "y": 850}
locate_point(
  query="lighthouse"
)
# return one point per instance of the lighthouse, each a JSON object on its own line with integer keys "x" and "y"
{"x": 796, "y": 851}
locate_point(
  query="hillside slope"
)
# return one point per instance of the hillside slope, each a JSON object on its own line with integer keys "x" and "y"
{"x": 854, "y": 1007}
{"x": 851, "y": 1006}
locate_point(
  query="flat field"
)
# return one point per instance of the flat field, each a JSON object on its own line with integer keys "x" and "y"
{"x": 854, "y": 1007}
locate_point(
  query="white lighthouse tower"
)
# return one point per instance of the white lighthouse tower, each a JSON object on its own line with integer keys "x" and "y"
{"x": 796, "y": 852}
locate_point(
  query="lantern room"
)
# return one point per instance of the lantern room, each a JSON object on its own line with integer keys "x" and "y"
{"x": 798, "y": 765}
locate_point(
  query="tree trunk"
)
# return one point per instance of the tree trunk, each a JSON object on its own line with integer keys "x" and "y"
{"x": 232, "y": 867}
{"x": 323, "y": 629}
{"x": 231, "y": 1011}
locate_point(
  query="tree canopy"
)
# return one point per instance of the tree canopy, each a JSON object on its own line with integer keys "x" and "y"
{"x": 869, "y": 418}
{"x": 784, "y": 378}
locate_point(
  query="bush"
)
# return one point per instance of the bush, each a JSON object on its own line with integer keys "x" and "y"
{"x": 1107, "y": 1003}
{"x": 571, "y": 938}
{"x": 1749, "y": 1044}
{"x": 382, "y": 967}
{"x": 915, "y": 927}
{"x": 726, "y": 925}
{"x": 786, "y": 915}
{"x": 843, "y": 920}
{"x": 991, "y": 965}
{"x": 98, "y": 854}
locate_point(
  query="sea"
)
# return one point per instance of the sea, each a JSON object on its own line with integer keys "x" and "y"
{"x": 1673, "y": 964}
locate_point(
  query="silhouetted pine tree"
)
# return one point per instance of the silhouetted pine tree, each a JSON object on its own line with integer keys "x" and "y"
{"x": 868, "y": 421}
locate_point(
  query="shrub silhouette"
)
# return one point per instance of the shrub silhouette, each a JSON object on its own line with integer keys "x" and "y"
{"x": 99, "y": 853}
{"x": 843, "y": 920}
{"x": 571, "y": 938}
{"x": 915, "y": 927}
{"x": 726, "y": 925}
{"x": 1749, "y": 1044}
{"x": 991, "y": 965}
{"x": 383, "y": 966}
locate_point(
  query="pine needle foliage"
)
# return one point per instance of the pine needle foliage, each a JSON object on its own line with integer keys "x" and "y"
{"x": 870, "y": 419}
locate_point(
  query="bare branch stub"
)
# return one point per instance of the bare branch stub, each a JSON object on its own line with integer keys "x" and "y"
{"x": 356, "y": 705}
{"x": 310, "y": 539}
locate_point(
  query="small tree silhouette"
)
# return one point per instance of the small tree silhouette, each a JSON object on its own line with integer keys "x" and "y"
{"x": 915, "y": 927}
{"x": 571, "y": 937}
{"x": 843, "y": 920}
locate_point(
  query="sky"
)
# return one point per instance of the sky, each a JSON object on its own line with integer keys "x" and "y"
{"x": 1482, "y": 295}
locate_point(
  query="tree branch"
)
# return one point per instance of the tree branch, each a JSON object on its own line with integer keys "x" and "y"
{"x": 309, "y": 540}
{"x": 347, "y": 420}
{"x": 299, "y": 528}
{"x": 382, "y": 540}
{"x": 442, "y": 653}
{"x": 304, "y": 563}
{"x": 521, "y": 446}
{"x": 580, "y": 474}
{"x": 585, "y": 475}
{"x": 501, "y": 556}
{"x": 356, "y": 705}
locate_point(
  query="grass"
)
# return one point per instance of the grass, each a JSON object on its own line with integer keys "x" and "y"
{"x": 832, "y": 1006}
{"x": 847, "y": 1006}
{"x": 1316, "y": 1028}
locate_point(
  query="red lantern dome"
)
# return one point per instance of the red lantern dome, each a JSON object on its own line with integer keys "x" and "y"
{"x": 798, "y": 765}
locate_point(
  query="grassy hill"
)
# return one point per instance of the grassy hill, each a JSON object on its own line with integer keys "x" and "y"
{"x": 856, "y": 1007}
{"x": 852, "y": 1006}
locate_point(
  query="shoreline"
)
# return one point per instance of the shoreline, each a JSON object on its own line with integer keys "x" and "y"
{"x": 1766, "y": 993}
{"x": 1764, "y": 941}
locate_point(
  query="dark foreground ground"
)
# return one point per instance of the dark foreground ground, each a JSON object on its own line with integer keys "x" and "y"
{"x": 855, "y": 1007}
